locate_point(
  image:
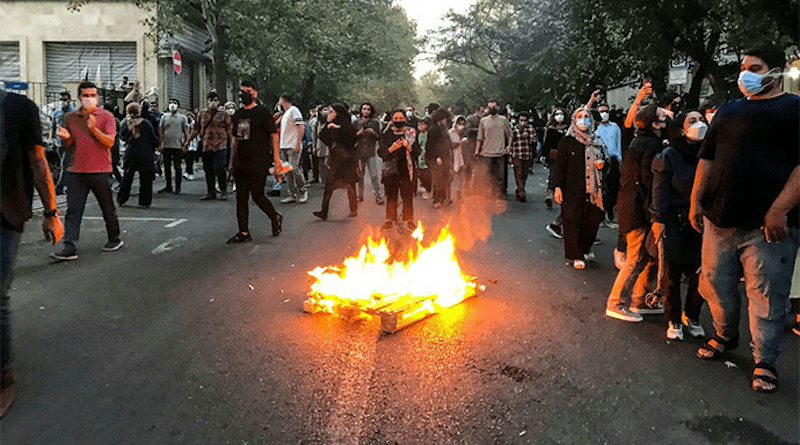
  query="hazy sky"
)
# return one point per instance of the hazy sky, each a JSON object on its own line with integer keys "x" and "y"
{"x": 429, "y": 15}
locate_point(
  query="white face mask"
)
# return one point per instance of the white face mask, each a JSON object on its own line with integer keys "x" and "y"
{"x": 173, "y": 107}
{"x": 697, "y": 132}
{"x": 409, "y": 114}
{"x": 89, "y": 102}
{"x": 230, "y": 111}
{"x": 559, "y": 118}
{"x": 604, "y": 116}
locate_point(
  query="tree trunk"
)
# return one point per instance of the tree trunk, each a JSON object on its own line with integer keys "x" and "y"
{"x": 220, "y": 73}
{"x": 308, "y": 91}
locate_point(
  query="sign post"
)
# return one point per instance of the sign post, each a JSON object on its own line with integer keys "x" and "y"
{"x": 177, "y": 64}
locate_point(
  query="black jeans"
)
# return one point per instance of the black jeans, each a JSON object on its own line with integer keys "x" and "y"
{"x": 145, "y": 186}
{"x": 330, "y": 187}
{"x": 610, "y": 187}
{"x": 78, "y": 187}
{"x": 173, "y": 156}
{"x": 394, "y": 188}
{"x": 251, "y": 183}
{"x": 441, "y": 181}
{"x": 215, "y": 166}
{"x": 671, "y": 288}
{"x": 8, "y": 253}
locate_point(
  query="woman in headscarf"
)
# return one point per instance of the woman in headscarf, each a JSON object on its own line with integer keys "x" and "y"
{"x": 555, "y": 129}
{"x": 399, "y": 150}
{"x": 140, "y": 156}
{"x": 338, "y": 134}
{"x": 576, "y": 180}
{"x": 438, "y": 155}
{"x": 458, "y": 141}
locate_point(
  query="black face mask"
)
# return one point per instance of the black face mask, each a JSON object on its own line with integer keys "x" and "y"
{"x": 492, "y": 110}
{"x": 246, "y": 98}
{"x": 399, "y": 124}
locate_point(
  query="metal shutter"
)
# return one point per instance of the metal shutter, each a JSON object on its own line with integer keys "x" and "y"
{"x": 181, "y": 85}
{"x": 70, "y": 62}
{"x": 9, "y": 61}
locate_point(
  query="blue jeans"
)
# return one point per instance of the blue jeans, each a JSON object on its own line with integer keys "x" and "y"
{"x": 294, "y": 178}
{"x": 373, "y": 164}
{"x": 9, "y": 242}
{"x": 729, "y": 254}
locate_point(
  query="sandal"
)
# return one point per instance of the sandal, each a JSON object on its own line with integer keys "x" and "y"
{"x": 713, "y": 348}
{"x": 764, "y": 379}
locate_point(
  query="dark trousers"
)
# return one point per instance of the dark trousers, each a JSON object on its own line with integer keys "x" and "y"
{"x": 145, "y": 186}
{"x": 315, "y": 166}
{"x": 671, "y": 288}
{"x": 9, "y": 243}
{"x": 425, "y": 178}
{"x": 610, "y": 187}
{"x": 405, "y": 189}
{"x": 78, "y": 187}
{"x": 521, "y": 169}
{"x": 251, "y": 183}
{"x": 581, "y": 220}
{"x": 173, "y": 156}
{"x": 328, "y": 193}
{"x": 492, "y": 172}
{"x": 505, "y": 174}
{"x": 441, "y": 181}
{"x": 215, "y": 166}
{"x": 191, "y": 157}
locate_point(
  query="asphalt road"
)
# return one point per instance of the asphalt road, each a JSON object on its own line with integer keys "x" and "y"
{"x": 178, "y": 338}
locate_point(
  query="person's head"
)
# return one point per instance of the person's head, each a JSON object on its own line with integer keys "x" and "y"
{"x": 367, "y": 110}
{"x": 559, "y": 117}
{"x": 424, "y": 125}
{"x": 230, "y": 108}
{"x": 460, "y": 123}
{"x": 440, "y": 117}
{"x": 190, "y": 115}
{"x": 761, "y": 70}
{"x": 691, "y": 126}
{"x": 87, "y": 94}
{"x": 476, "y": 111}
{"x": 154, "y": 107}
{"x": 651, "y": 118}
{"x": 248, "y": 92}
{"x": 339, "y": 114}
{"x": 409, "y": 111}
{"x": 671, "y": 102}
{"x": 213, "y": 100}
{"x": 582, "y": 120}
{"x": 493, "y": 106}
{"x": 604, "y": 111}
{"x": 709, "y": 108}
{"x": 285, "y": 100}
{"x": 173, "y": 106}
{"x": 523, "y": 118}
{"x": 431, "y": 108}
{"x": 398, "y": 119}
{"x": 133, "y": 109}
{"x": 64, "y": 99}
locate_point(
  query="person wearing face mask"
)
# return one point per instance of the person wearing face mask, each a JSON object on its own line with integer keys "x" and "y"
{"x": 678, "y": 244}
{"x": 458, "y": 141}
{"x": 291, "y": 145}
{"x": 65, "y": 107}
{"x": 611, "y": 136}
{"x": 747, "y": 157}
{"x": 173, "y": 130}
{"x": 141, "y": 142}
{"x": 399, "y": 149}
{"x": 88, "y": 134}
{"x": 339, "y": 134}
{"x": 553, "y": 132}
{"x": 627, "y": 300}
{"x": 412, "y": 119}
{"x": 577, "y": 183}
{"x": 230, "y": 108}
{"x": 523, "y": 143}
{"x": 215, "y": 129}
{"x": 191, "y": 154}
{"x": 494, "y": 135}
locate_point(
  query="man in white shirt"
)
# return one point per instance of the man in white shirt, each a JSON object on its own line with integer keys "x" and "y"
{"x": 611, "y": 135}
{"x": 292, "y": 129}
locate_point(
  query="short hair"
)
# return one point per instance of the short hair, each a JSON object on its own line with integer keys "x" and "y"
{"x": 285, "y": 96}
{"x": 773, "y": 55}
{"x": 712, "y": 103}
{"x": 523, "y": 114}
{"x": 493, "y": 101}
{"x": 603, "y": 104}
{"x": 371, "y": 108}
{"x": 667, "y": 99}
{"x": 176, "y": 100}
{"x": 249, "y": 84}
{"x": 646, "y": 116}
{"x": 65, "y": 93}
{"x": 85, "y": 85}
{"x": 212, "y": 95}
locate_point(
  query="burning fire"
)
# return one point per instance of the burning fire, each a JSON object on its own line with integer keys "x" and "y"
{"x": 372, "y": 282}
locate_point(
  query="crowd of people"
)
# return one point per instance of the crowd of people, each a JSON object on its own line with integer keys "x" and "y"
{"x": 704, "y": 196}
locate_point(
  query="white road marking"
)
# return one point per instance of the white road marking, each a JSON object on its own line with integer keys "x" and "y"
{"x": 172, "y": 222}
{"x": 169, "y": 244}
{"x": 175, "y": 223}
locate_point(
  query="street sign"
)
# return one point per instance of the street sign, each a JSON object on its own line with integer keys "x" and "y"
{"x": 176, "y": 61}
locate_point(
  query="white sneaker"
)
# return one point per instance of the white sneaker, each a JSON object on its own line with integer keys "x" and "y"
{"x": 191, "y": 177}
{"x": 427, "y": 195}
{"x": 693, "y": 326}
{"x": 589, "y": 256}
{"x": 675, "y": 331}
{"x": 624, "y": 314}
{"x": 304, "y": 196}
{"x": 289, "y": 199}
{"x": 186, "y": 176}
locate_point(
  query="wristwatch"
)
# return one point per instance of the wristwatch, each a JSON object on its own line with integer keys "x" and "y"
{"x": 50, "y": 213}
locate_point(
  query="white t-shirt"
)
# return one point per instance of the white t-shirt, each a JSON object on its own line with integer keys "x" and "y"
{"x": 292, "y": 128}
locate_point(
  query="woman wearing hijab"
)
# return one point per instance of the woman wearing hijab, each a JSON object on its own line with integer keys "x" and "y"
{"x": 399, "y": 150}
{"x": 340, "y": 136}
{"x": 438, "y": 156}
{"x": 458, "y": 141}
{"x": 140, "y": 156}
{"x": 576, "y": 179}
{"x": 555, "y": 129}
{"x": 679, "y": 245}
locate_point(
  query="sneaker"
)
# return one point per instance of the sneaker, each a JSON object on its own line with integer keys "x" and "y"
{"x": 289, "y": 199}
{"x": 651, "y": 306}
{"x": 320, "y": 215}
{"x": 427, "y": 195}
{"x": 579, "y": 264}
{"x": 619, "y": 259}
{"x": 380, "y": 201}
{"x": 304, "y": 196}
{"x": 693, "y": 326}
{"x": 277, "y": 225}
{"x": 609, "y": 225}
{"x": 177, "y": 191}
{"x": 112, "y": 245}
{"x": 166, "y": 190}
{"x": 239, "y": 238}
{"x": 209, "y": 197}
{"x": 597, "y": 242}
{"x": 624, "y": 314}
{"x": 186, "y": 176}
{"x": 554, "y": 230}
{"x": 589, "y": 256}
{"x": 675, "y": 331}
{"x": 64, "y": 255}
{"x": 223, "y": 196}
{"x": 549, "y": 203}
{"x": 388, "y": 225}
{"x": 190, "y": 177}
{"x": 270, "y": 193}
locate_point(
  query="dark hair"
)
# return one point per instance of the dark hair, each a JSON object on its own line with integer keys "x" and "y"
{"x": 493, "y": 101}
{"x": 602, "y": 104}
{"x": 440, "y": 114}
{"x": 248, "y": 84}
{"x": 523, "y": 114}
{"x": 595, "y": 115}
{"x": 645, "y": 118}
{"x": 285, "y": 96}
{"x": 176, "y": 100}
{"x": 712, "y": 103}
{"x": 432, "y": 107}
{"x": 772, "y": 54}
{"x": 667, "y": 99}
{"x": 371, "y": 109}
{"x": 399, "y": 110}
{"x": 84, "y": 86}
{"x": 212, "y": 95}
{"x": 65, "y": 93}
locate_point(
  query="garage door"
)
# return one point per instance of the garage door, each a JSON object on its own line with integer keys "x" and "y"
{"x": 9, "y": 61}
{"x": 71, "y": 62}
{"x": 180, "y": 86}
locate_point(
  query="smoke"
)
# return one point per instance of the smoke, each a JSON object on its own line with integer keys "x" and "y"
{"x": 480, "y": 201}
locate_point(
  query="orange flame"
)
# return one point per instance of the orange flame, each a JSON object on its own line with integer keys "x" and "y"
{"x": 430, "y": 279}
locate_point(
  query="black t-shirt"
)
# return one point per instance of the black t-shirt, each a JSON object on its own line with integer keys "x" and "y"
{"x": 21, "y": 131}
{"x": 253, "y": 129}
{"x": 755, "y": 145}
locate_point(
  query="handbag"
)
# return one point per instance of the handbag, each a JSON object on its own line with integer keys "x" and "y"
{"x": 390, "y": 169}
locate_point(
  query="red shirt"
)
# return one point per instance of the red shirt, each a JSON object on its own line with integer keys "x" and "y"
{"x": 87, "y": 154}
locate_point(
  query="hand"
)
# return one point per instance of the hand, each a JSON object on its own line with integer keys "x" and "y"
{"x": 63, "y": 133}
{"x": 696, "y": 217}
{"x": 184, "y": 148}
{"x": 160, "y": 148}
{"x": 91, "y": 122}
{"x": 439, "y": 161}
{"x": 558, "y": 196}
{"x": 659, "y": 230}
{"x": 775, "y": 225}
{"x": 645, "y": 91}
{"x": 334, "y": 126}
{"x": 595, "y": 95}
{"x": 53, "y": 229}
